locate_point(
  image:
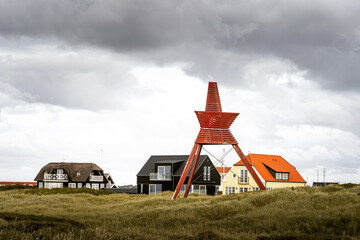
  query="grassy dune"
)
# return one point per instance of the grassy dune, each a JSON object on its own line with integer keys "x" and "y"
{"x": 304, "y": 213}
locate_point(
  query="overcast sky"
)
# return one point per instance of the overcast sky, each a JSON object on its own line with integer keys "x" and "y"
{"x": 126, "y": 76}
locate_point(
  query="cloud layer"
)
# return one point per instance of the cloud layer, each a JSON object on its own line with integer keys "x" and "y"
{"x": 216, "y": 39}
{"x": 124, "y": 76}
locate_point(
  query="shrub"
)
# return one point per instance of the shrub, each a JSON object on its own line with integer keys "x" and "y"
{"x": 45, "y": 191}
{"x": 16, "y": 186}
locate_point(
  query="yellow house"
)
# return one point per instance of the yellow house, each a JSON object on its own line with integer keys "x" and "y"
{"x": 273, "y": 171}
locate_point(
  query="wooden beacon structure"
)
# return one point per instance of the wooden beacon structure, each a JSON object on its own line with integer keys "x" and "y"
{"x": 214, "y": 130}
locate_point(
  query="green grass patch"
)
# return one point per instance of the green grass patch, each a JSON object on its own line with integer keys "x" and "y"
{"x": 302, "y": 213}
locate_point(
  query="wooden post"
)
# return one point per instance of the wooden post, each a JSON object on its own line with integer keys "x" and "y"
{"x": 185, "y": 171}
{"x": 249, "y": 167}
{"x": 193, "y": 171}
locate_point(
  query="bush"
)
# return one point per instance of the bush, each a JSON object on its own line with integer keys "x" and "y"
{"x": 17, "y": 186}
{"x": 45, "y": 191}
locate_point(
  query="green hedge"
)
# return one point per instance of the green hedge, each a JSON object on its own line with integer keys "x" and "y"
{"x": 45, "y": 191}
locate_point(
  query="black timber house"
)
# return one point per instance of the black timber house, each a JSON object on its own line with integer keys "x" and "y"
{"x": 71, "y": 175}
{"x": 162, "y": 173}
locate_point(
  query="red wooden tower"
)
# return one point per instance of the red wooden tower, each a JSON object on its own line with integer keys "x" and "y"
{"x": 214, "y": 130}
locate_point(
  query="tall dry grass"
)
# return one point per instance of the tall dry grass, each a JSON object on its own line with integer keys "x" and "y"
{"x": 303, "y": 213}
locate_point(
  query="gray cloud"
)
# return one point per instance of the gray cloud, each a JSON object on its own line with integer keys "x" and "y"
{"x": 217, "y": 38}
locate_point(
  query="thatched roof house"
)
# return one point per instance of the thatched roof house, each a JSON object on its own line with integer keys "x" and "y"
{"x": 70, "y": 174}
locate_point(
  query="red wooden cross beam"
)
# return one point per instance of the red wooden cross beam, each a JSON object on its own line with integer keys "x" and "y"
{"x": 214, "y": 130}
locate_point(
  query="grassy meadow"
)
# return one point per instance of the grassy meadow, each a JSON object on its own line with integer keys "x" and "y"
{"x": 303, "y": 213}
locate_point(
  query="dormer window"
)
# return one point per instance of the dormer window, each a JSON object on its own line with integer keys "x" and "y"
{"x": 281, "y": 176}
{"x": 77, "y": 173}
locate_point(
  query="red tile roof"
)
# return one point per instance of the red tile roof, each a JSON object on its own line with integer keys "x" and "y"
{"x": 18, "y": 183}
{"x": 223, "y": 169}
{"x": 274, "y": 162}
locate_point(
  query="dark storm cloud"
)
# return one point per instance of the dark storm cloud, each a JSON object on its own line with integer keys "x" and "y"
{"x": 218, "y": 38}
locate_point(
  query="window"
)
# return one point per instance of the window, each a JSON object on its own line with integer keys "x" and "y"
{"x": 72, "y": 185}
{"x": 282, "y": 176}
{"x": 269, "y": 188}
{"x": 255, "y": 189}
{"x": 229, "y": 190}
{"x": 53, "y": 185}
{"x": 234, "y": 175}
{"x": 79, "y": 185}
{"x": 88, "y": 185}
{"x": 200, "y": 189}
{"x": 243, "y": 189}
{"x": 183, "y": 188}
{"x": 95, "y": 186}
{"x": 60, "y": 171}
{"x": 206, "y": 173}
{"x": 77, "y": 173}
{"x": 41, "y": 184}
{"x": 243, "y": 179}
{"x": 155, "y": 189}
{"x": 101, "y": 186}
{"x": 164, "y": 172}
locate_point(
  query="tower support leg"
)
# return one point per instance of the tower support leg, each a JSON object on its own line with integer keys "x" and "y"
{"x": 249, "y": 167}
{"x": 185, "y": 171}
{"x": 193, "y": 170}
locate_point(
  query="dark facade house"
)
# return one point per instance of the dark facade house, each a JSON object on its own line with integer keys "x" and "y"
{"x": 71, "y": 175}
{"x": 162, "y": 173}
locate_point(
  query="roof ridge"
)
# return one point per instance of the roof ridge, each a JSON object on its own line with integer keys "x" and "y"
{"x": 262, "y": 154}
{"x": 175, "y": 155}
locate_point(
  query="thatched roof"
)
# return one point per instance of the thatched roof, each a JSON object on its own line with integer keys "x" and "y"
{"x": 70, "y": 168}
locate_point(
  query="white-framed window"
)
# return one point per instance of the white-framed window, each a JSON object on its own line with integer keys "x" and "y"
{"x": 206, "y": 173}
{"x": 102, "y": 185}
{"x": 282, "y": 176}
{"x": 243, "y": 179}
{"x": 229, "y": 190}
{"x": 79, "y": 185}
{"x": 243, "y": 189}
{"x": 200, "y": 189}
{"x": 41, "y": 184}
{"x": 53, "y": 185}
{"x": 72, "y": 185}
{"x": 183, "y": 188}
{"x": 255, "y": 189}
{"x": 95, "y": 186}
{"x": 155, "y": 189}
{"x": 88, "y": 185}
{"x": 164, "y": 172}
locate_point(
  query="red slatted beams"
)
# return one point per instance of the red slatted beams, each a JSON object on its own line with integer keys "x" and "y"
{"x": 214, "y": 130}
